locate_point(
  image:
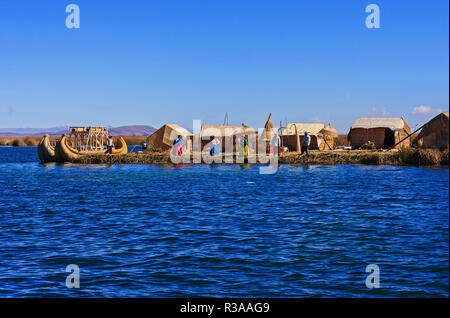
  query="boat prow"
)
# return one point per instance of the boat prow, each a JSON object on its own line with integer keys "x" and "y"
{"x": 122, "y": 147}
{"x": 46, "y": 152}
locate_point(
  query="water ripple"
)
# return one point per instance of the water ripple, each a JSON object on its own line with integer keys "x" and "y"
{"x": 197, "y": 230}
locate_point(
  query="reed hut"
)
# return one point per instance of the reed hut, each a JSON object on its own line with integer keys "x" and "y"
{"x": 225, "y": 134}
{"x": 435, "y": 133}
{"x": 245, "y": 130}
{"x": 321, "y": 136}
{"x": 328, "y": 133}
{"x": 383, "y": 132}
{"x": 163, "y": 138}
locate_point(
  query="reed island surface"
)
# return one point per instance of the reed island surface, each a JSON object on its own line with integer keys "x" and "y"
{"x": 421, "y": 157}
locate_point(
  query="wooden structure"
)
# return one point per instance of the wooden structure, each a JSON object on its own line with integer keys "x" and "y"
{"x": 434, "y": 133}
{"x": 164, "y": 137}
{"x": 293, "y": 134}
{"x": 383, "y": 132}
{"x": 87, "y": 138}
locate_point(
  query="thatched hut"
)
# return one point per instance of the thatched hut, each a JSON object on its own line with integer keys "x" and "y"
{"x": 329, "y": 133}
{"x": 435, "y": 133}
{"x": 163, "y": 138}
{"x": 321, "y": 136}
{"x": 383, "y": 132}
{"x": 225, "y": 134}
{"x": 245, "y": 130}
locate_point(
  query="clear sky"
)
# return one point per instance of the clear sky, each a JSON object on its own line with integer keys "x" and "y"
{"x": 166, "y": 61}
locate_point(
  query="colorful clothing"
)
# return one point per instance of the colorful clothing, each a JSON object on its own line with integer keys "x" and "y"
{"x": 215, "y": 149}
{"x": 246, "y": 149}
{"x": 178, "y": 146}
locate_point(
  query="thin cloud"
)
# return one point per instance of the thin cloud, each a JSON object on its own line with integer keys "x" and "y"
{"x": 315, "y": 120}
{"x": 424, "y": 110}
{"x": 379, "y": 112}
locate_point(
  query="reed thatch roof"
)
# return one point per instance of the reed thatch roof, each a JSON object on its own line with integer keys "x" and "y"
{"x": 438, "y": 123}
{"x": 329, "y": 131}
{"x": 396, "y": 123}
{"x": 226, "y": 131}
{"x": 211, "y": 130}
{"x": 299, "y": 128}
{"x": 162, "y": 137}
{"x": 245, "y": 130}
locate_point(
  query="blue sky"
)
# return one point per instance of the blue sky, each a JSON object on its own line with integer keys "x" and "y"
{"x": 155, "y": 62}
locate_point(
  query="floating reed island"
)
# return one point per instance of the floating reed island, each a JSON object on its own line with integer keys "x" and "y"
{"x": 381, "y": 141}
{"x": 418, "y": 157}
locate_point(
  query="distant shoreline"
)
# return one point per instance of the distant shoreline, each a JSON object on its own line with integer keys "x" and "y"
{"x": 28, "y": 141}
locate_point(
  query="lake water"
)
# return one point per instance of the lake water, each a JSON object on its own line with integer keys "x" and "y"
{"x": 222, "y": 230}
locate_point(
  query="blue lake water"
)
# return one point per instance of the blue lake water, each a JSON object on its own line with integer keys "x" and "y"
{"x": 222, "y": 230}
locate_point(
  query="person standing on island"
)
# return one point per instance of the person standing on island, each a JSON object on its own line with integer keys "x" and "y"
{"x": 305, "y": 143}
{"x": 178, "y": 145}
{"x": 109, "y": 144}
{"x": 215, "y": 150}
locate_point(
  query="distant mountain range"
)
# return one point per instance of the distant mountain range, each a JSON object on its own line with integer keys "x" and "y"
{"x": 132, "y": 130}
{"x": 136, "y": 130}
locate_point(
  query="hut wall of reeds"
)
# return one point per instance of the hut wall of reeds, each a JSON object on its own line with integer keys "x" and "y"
{"x": 293, "y": 134}
{"x": 163, "y": 138}
{"x": 383, "y": 132}
{"x": 435, "y": 133}
{"x": 233, "y": 134}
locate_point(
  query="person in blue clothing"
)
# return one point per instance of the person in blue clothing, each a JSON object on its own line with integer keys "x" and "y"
{"x": 215, "y": 149}
{"x": 306, "y": 141}
{"x": 178, "y": 140}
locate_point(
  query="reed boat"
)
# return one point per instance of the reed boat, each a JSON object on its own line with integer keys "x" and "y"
{"x": 65, "y": 152}
{"x": 46, "y": 151}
